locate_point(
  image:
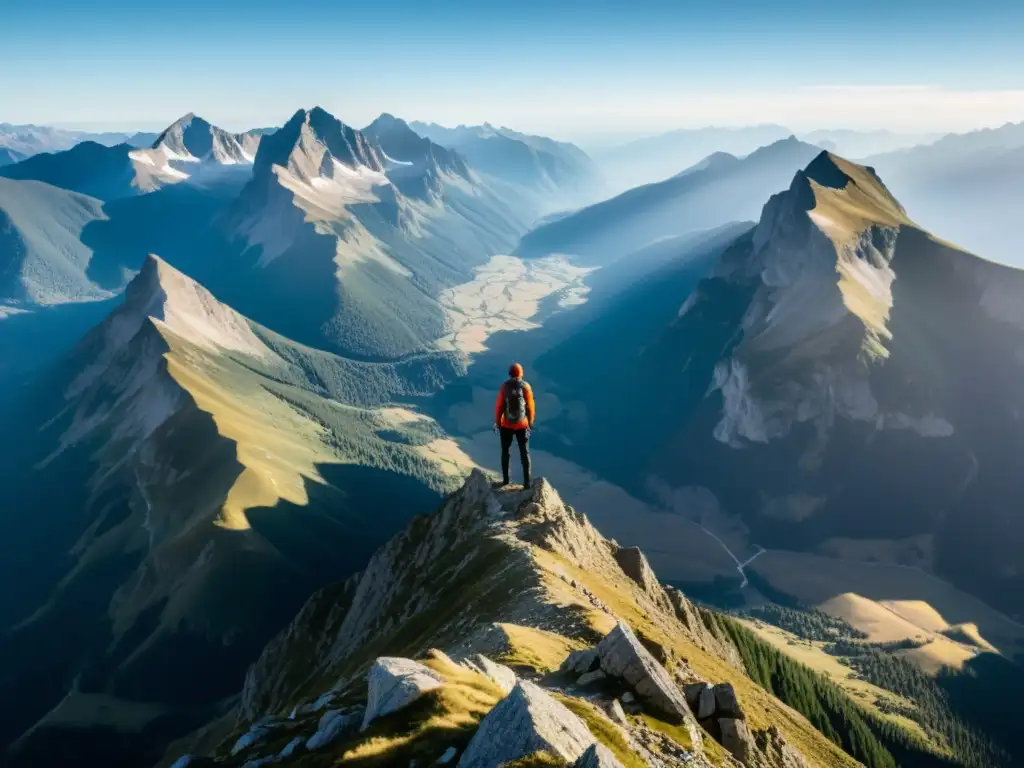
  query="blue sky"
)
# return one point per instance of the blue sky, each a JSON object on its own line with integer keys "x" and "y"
{"x": 588, "y": 68}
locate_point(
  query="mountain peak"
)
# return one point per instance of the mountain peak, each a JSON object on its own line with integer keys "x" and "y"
{"x": 162, "y": 293}
{"x": 192, "y": 139}
{"x": 512, "y": 574}
{"x": 415, "y": 161}
{"x": 309, "y": 142}
{"x": 848, "y": 195}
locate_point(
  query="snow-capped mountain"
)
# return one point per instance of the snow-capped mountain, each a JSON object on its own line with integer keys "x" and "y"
{"x": 841, "y": 379}
{"x": 190, "y": 150}
{"x": 348, "y": 237}
{"x": 178, "y": 467}
{"x": 416, "y": 165}
{"x": 27, "y": 140}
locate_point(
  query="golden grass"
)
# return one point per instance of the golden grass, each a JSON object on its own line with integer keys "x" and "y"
{"x": 537, "y": 760}
{"x": 880, "y": 624}
{"x": 604, "y": 730}
{"x": 813, "y": 580}
{"x": 677, "y": 733}
{"x": 811, "y": 654}
{"x": 278, "y": 447}
{"x": 619, "y": 593}
{"x": 445, "y": 717}
{"x": 534, "y": 648}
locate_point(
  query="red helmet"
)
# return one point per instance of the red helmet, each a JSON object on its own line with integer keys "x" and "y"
{"x": 515, "y": 371}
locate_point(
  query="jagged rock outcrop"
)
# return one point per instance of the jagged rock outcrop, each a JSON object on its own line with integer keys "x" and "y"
{"x": 581, "y": 662}
{"x": 395, "y": 683}
{"x": 513, "y": 586}
{"x": 526, "y": 721}
{"x": 777, "y": 751}
{"x": 623, "y": 655}
{"x": 333, "y": 724}
{"x": 701, "y": 698}
{"x": 726, "y": 703}
{"x": 634, "y": 564}
{"x": 737, "y": 739}
{"x": 597, "y": 756}
{"x": 286, "y": 660}
{"x": 499, "y": 674}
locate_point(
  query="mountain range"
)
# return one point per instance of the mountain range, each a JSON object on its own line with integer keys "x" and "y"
{"x": 562, "y": 173}
{"x": 26, "y": 140}
{"x": 369, "y": 228}
{"x": 965, "y": 187}
{"x": 720, "y": 189}
{"x": 186, "y": 477}
{"x": 826, "y": 378}
{"x": 763, "y": 369}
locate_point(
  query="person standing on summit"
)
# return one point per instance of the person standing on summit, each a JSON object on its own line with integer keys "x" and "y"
{"x": 513, "y": 418}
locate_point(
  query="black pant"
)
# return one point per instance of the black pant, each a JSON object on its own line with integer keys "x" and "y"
{"x": 524, "y": 451}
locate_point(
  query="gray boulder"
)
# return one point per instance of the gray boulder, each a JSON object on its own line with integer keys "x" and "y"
{"x": 255, "y": 735}
{"x": 581, "y": 662}
{"x": 289, "y": 748}
{"x": 498, "y": 674}
{"x": 333, "y": 723}
{"x": 394, "y": 683}
{"x": 622, "y": 655}
{"x": 591, "y": 677}
{"x": 726, "y": 703}
{"x": 597, "y": 756}
{"x": 448, "y": 756}
{"x": 701, "y": 698}
{"x": 737, "y": 739}
{"x": 616, "y": 713}
{"x": 526, "y": 721}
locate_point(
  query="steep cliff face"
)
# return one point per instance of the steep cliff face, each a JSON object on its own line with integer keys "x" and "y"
{"x": 536, "y": 638}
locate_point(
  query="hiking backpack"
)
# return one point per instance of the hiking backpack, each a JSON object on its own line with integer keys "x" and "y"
{"x": 515, "y": 401}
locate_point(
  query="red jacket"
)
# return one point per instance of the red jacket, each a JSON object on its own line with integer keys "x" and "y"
{"x": 499, "y": 409}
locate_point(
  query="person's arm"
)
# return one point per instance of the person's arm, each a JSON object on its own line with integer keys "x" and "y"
{"x": 499, "y": 406}
{"x": 530, "y": 410}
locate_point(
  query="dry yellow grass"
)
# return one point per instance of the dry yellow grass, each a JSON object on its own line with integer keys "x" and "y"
{"x": 625, "y": 601}
{"x": 604, "y": 730}
{"x": 880, "y": 624}
{"x": 812, "y": 655}
{"x": 277, "y": 447}
{"x": 814, "y": 579}
{"x": 918, "y": 613}
{"x": 534, "y": 648}
{"x": 446, "y": 716}
{"x": 938, "y": 653}
{"x": 537, "y": 760}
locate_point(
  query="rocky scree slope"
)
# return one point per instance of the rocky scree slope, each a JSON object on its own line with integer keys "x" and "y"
{"x": 503, "y": 630}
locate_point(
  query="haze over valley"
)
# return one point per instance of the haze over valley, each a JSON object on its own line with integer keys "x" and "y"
{"x": 773, "y": 331}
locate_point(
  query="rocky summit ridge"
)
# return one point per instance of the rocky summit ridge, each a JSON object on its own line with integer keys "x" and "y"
{"x": 503, "y": 629}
